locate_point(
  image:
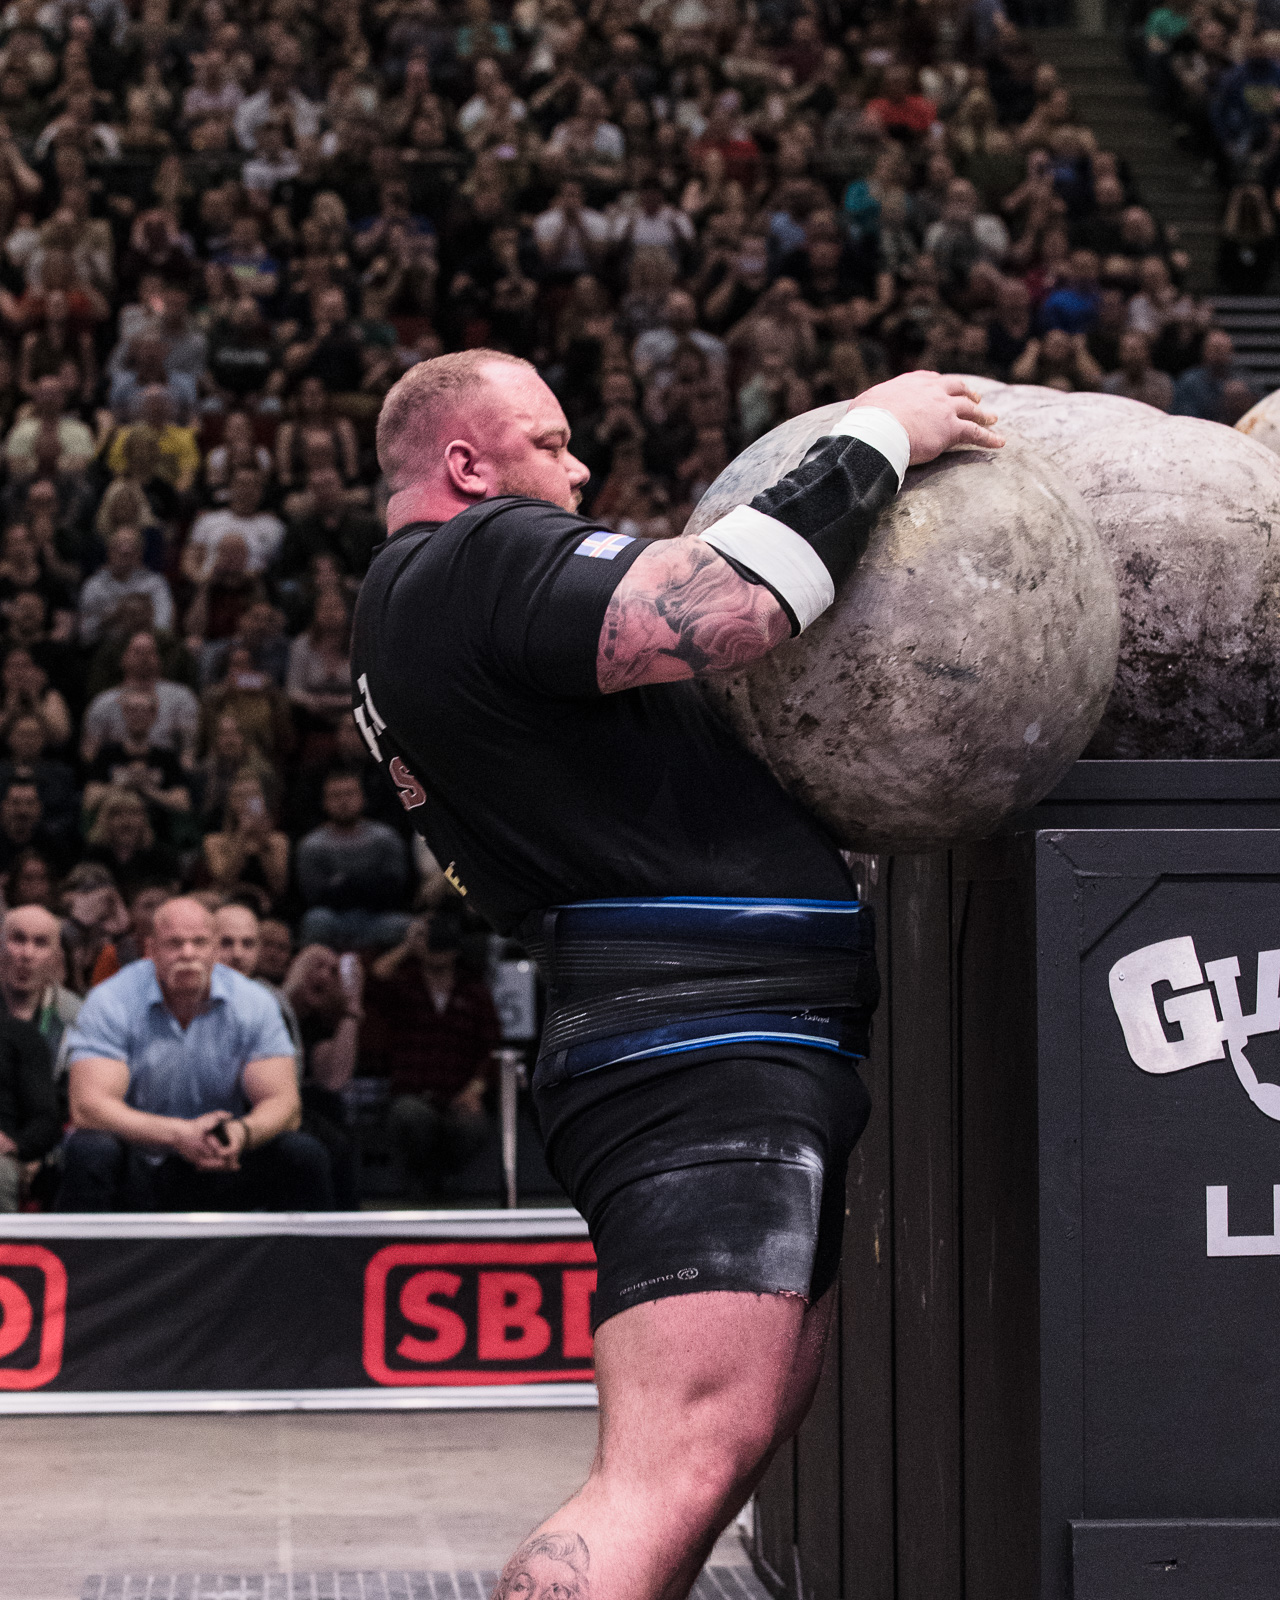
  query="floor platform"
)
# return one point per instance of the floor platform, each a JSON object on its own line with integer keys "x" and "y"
{"x": 714, "y": 1583}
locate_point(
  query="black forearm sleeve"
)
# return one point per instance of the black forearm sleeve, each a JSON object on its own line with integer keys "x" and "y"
{"x": 832, "y": 498}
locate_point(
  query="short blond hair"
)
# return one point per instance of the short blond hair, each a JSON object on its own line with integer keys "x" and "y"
{"x": 412, "y": 416}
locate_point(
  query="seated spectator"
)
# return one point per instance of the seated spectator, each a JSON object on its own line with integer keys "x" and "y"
{"x": 325, "y": 993}
{"x": 431, "y": 1032}
{"x": 353, "y": 873}
{"x": 184, "y": 1095}
{"x": 29, "y": 1123}
{"x": 1201, "y": 391}
{"x": 319, "y": 681}
{"x": 54, "y": 780}
{"x": 144, "y": 390}
{"x": 239, "y": 947}
{"x": 123, "y": 841}
{"x": 155, "y": 407}
{"x": 178, "y": 717}
{"x": 262, "y": 531}
{"x": 333, "y": 527}
{"x": 963, "y": 236}
{"x": 249, "y": 848}
{"x": 275, "y": 951}
{"x": 96, "y": 926}
{"x": 29, "y": 881}
{"x": 123, "y": 574}
{"x": 31, "y": 966}
{"x": 1072, "y": 305}
{"x": 313, "y": 436}
{"x": 22, "y": 826}
{"x": 571, "y": 238}
{"x": 238, "y": 449}
{"x": 243, "y": 356}
{"x": 71, "y": 443}
{"x": 1058, "y": 361}
{"x": 25, "y": 568}
{"x": 899, "y": 110}
{"x": 136, "y": 763}
{"x": 253, "y": 699}
{"x": 1136, "y": 378}
{"x": 230, "y": 752}
{"x": 223, "y": 594}
{"x": 655, "y": 352}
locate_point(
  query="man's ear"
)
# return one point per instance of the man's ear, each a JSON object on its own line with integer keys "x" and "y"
{"x": 461, "y": 463}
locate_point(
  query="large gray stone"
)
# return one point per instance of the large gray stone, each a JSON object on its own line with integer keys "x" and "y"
{"x": 1189, "y": 513}
{"x": 1261, "y": 423}
{"x": 964, "y": 664}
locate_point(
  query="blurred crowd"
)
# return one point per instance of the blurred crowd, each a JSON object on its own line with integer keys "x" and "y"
{"x": 1215, "y": 66}
{"x": 227, "y": 227}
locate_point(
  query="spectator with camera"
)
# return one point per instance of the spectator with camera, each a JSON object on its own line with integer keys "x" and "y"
{"x": 184, "y": 1094}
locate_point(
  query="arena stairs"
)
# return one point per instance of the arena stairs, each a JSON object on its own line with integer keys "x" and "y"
{"x": 1115, "y": 104}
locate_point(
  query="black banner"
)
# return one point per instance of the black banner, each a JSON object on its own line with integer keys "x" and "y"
{"x": 172, "y": 1306}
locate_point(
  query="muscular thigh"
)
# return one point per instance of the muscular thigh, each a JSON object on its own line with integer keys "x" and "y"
{"x": 710, "y": 1173}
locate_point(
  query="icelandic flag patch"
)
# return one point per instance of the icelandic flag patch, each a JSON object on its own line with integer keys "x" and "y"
{"x": 604, "y": 545}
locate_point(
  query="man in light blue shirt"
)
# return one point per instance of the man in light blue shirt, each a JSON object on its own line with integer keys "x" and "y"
{"x": 183, "y": 1090}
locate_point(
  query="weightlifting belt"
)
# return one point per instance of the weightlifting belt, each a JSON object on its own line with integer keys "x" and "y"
{"x": 632, "y": 979}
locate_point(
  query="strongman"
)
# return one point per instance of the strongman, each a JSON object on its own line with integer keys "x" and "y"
{"x": 524, "y": 678}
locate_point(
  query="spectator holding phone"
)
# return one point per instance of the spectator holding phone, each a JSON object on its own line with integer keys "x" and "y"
{"x": 184, "y": 1095}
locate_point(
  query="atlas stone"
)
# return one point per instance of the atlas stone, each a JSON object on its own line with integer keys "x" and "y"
{"x": 1189, "y": 512}
{"x": 1262, "y": 422}
{"x": 964, "y": 664}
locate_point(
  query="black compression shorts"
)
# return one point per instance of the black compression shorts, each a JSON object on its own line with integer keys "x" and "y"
{"x": 716, "y": 1169}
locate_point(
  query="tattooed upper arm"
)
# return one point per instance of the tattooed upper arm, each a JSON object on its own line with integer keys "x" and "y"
{"x": 682, "y": 610}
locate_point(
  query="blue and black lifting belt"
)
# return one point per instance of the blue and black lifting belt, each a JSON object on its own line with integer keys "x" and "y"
{"x": 631, "y": 979}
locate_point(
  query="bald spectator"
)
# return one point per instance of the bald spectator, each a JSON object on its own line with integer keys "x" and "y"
{"x": 124, "y": 574}
{"x": 239, "y": 931}
{"x": 184, "y": 1094}
{"x": 31, "y": 967}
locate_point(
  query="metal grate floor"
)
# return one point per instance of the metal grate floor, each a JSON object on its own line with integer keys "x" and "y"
{"x": 714, "y": 1583}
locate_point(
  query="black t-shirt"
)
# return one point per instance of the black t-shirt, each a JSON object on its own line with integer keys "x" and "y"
{"x": 475, "y": 662}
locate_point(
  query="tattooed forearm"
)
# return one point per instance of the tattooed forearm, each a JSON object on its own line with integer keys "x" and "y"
{"x": 681, "y": 610}
{"x": 549, "y": 1566}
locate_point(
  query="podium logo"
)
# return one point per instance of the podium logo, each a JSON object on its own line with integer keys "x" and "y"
{"x": 490, "y": 1313}
{"x": 1186, "y": 1028}
{"x": 33, "y": 1316}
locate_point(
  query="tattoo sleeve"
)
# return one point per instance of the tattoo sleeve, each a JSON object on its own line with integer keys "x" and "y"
{"x": 548, "y": 1566}
{"x": 681, "y": 610}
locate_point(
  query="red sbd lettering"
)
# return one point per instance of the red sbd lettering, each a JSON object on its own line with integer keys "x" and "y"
{"x": 411, "y": 792}
{"x": 576, "y": 1289}
{"x": 17, "y": 1316}
{"x": 508, "y": 1324}
{"x": 418, "y": 1307}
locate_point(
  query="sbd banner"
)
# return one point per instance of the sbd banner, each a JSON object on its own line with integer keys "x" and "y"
{"x": 370, "y": 1309}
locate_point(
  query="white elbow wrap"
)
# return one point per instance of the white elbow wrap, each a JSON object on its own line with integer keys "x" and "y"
{"x": 882, "y": 431}
{"x": 786, "y": 562}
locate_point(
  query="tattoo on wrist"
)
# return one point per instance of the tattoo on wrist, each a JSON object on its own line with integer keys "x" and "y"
{"x": 554, "y": 1566}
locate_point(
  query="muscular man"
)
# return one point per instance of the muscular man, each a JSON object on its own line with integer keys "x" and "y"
{"x": 524, "y": 680}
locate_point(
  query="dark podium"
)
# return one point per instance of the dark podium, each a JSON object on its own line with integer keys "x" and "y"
{"x": 1056, "y": 1374}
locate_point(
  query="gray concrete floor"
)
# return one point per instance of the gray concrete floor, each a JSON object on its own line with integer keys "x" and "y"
{"x": 279, "y": 1492}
